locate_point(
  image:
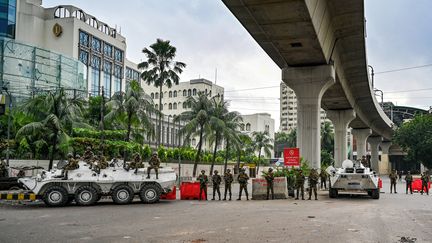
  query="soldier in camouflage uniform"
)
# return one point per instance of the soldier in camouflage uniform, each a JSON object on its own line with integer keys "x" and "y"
{"x": 3, "y": 168}
{"x": 425, "y": 183}
{"x": 154, "y": 164}
{"x": 270, "y": 178}
{"x": 393, "y": 179}
{"x": 243, "y": 181}
{"x": 216, "y": 179}
{"x": 136, "y": 163}
{"x": 228, "y": 179}
{"x": 409, "y": 180}
{"x": 71, "y": 165}
{"x": 313, "y": 181}
{"x": 300, "y": 179}
{"x": 88, "y": 156}
{"x": 203, "y": 180}
{"x": 323, "y": 177}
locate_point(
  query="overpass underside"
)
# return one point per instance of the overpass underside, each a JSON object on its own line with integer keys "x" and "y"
{"x": 320, "y": 47}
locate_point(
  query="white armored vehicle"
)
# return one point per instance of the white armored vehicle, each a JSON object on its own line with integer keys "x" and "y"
{"x": 87, "y": 186}
{"x": 353, "y": 177}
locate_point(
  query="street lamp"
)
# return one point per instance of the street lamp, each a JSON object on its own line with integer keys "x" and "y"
{"x": 372, "y": 75}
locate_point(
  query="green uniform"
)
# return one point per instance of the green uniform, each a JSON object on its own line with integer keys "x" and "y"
{"x": 313, "y": 181}
{"x": 88, "y": 156}
{"x": 228, "y": 179}
{"x": 323, "y": 177}
{"x": 425, "y": 183}
{"x": 270, "y": 178}
{"x": 154, "y": 163}
{"x": 216, "y": 179}
{"x": 300, "y": 179}
{"x": 243, "y": 181}
{"x": 3, "y": 168}
{"x": 203, "y": 180}
{"x": 409, "y": 180}
{"x": 393, "y": 179}
{"x": 71, "y": 165}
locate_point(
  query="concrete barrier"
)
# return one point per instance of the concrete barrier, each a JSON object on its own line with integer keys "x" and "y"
{"x": 259, "y": 188}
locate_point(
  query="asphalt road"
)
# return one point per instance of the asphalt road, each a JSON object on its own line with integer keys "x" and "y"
{"x": 393, "y": 218}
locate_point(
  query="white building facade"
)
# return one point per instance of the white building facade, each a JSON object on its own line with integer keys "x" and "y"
{"x": 258, "y": 122}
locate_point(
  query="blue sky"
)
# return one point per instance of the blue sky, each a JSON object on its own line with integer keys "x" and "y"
{"x": 208, "y": 36}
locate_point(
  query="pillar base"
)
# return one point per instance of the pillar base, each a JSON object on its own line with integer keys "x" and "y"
{"x": 374, "y": 143}
{"x": 340, "y": 120}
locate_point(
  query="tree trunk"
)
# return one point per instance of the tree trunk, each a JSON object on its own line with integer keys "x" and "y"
{"x": 238, "y": 159}
{"x": 199, "y": 151}
{"x": 259, "y": 161}
{"x": 53, "y": 150}
{"x": 129, "y": 128}
{"x": 226, "y": 156}
{"x": 214, "y": 154}
{"x": 160, "y": 117}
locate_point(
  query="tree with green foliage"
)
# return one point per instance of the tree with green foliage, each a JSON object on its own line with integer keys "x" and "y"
{"x": 415, "y": 137}
{"x": 160, "y": 69}
{"x": 131, "y": 110}
{"x": 262, "y": 142}
{"x": 327, "y": 137}
{"x": 54, "y": 114}
{"x": 197, "y": 121}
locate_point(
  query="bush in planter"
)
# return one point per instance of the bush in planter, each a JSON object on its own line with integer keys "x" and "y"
{"x": 162, "y": 153}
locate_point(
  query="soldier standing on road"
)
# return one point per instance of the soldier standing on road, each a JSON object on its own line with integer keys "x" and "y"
{"x": 393, "y": 180}
{"x": 313, "y": 181}
{"x": 270, "y": 178}
{"x": 3, "y": 168}
{"x": 228, "y": 179}
{"x": 323, "y": 178}
{"x": 243, "y": 181}
{"x": 300, "y": 178}
{"x": 216, "y": 179}
{"x": 409, "y": 180}
{"x": 425, "y": 183}
{"x": 203, "y": 180}
{"x": 154, "y": 164}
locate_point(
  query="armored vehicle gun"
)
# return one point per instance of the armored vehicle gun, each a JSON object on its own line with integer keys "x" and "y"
{"x": 353, "y": 177}
{"x": 86, "y": 185}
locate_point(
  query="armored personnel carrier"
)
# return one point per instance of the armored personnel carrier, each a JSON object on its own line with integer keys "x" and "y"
{"x": 86, "y": 186}
{"x": 353, "y": 177}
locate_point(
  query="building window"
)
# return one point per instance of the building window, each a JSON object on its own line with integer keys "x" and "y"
{"x": 170, "y": 94}
{"x": 61, "y": 12}
{"x": 156, "y": 107}
{"x": 107, "y": 77}
{"x": 194, "y": 92}
{"x": 83, "y": 39}
{"x": 267, "y": 128}
{"x": 193, "y": 142}
{"x": 152, "y": 95}
{"x": 175, "y": 106}
{"x": 92, "y": 22}
{"x": 83, "y": 57}
{"x": 117, "y": 78}
{"x": 184, "y": 93}
{"x": 79, "y": 14}
{"x": 189, "y": 92}
{"x": 118, "y": 55}
{"x": 184, "y": 105}
{"x": 156, "y": 95}
{"x": 248, "y": 127}
{"x": 210, "y": 93}
{"x": 170, "y": 106}
{"x": 175, "y": 94}
{"x": 96, "y": 44}
{"x": 108, "y": 50}
{"x": 242, "y": 127}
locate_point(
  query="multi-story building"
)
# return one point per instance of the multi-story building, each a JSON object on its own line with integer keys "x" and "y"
{"x": 258, "y": 122}
{"x": 73, "y": 34}
{"x": 174, "y": 98}
{"x": 288, "y": 109}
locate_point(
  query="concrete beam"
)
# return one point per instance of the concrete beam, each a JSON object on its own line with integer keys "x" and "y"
{"x": 309, "y": 84}
{"x": 340, "y": 120}
{"x": 374, "y": 143}
{"x": 360, "y": 136}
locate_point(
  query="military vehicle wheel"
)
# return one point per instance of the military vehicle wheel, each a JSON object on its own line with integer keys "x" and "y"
{"x": 55, "y": 196}
{"x": 333, "y": 193}
{"x": 86, "y": 196}
{"x": 122, "y": 194}
{"x": 149, "y": 193}
{"x": 14, "y": 188}
{"x": 375, "y": 194}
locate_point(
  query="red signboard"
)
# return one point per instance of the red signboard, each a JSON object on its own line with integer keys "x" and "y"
{"x": 291, "y": 156}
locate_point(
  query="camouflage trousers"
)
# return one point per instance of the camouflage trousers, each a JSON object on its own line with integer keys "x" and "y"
{"x": 227, "y": 188}
{"x": 243, "y": 187}
{"x": 270, "y": 189}
{"x": 203, "y": 190}
{"x": 300, "y": 188}
{"x": 409, "y": 186}
{"x": 216, "y": 188}
{"x": 426, "y": 189}
{"x": 313, "y": 187}
{"x": 393, "y": 186}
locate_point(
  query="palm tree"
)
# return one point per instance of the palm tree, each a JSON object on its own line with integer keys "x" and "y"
{"x": 262, "y": 141}
{"x": 160, "y": 69}
{"x": 197, "y": 121}
{"x": 55, "y": 114}
{"x": 224, "y": 124}
{"x": 327, "y": 137}
{"x": 131, "y": 110}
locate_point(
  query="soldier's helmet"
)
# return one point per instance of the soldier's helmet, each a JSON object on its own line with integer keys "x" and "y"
{"x": 154, "y": 154}
{"x": 70, "y": 155}
{"x": 88, "y": 148}
{"x": 216, "y": 171}
{"x": 242, "y": 169}
{"x": 202, "y": 171}
{"x": 77, "y": 156}
{"x": 270, "y": 169}
{"x": 228, "y": 170}
{"x": 409, "y": 172}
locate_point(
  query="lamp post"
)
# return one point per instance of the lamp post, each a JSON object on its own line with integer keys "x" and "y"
{"x": 372, "y": 75}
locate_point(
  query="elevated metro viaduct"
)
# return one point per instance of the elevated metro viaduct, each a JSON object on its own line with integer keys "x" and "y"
{"x": 320, "y": 47}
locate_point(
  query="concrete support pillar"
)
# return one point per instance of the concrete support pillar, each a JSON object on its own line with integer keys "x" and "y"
{"x": 309, "y": 85}
{"x": 360, "y": 136}
{"x": 351, "y": 138}
{"x": 340, "y": 119}
{"x": 374, "y": 143}
{"x": 384, "y": 165}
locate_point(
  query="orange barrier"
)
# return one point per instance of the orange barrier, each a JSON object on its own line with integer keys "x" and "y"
{"x": 190, "y": 191}
{"x": 171, "y": 195}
